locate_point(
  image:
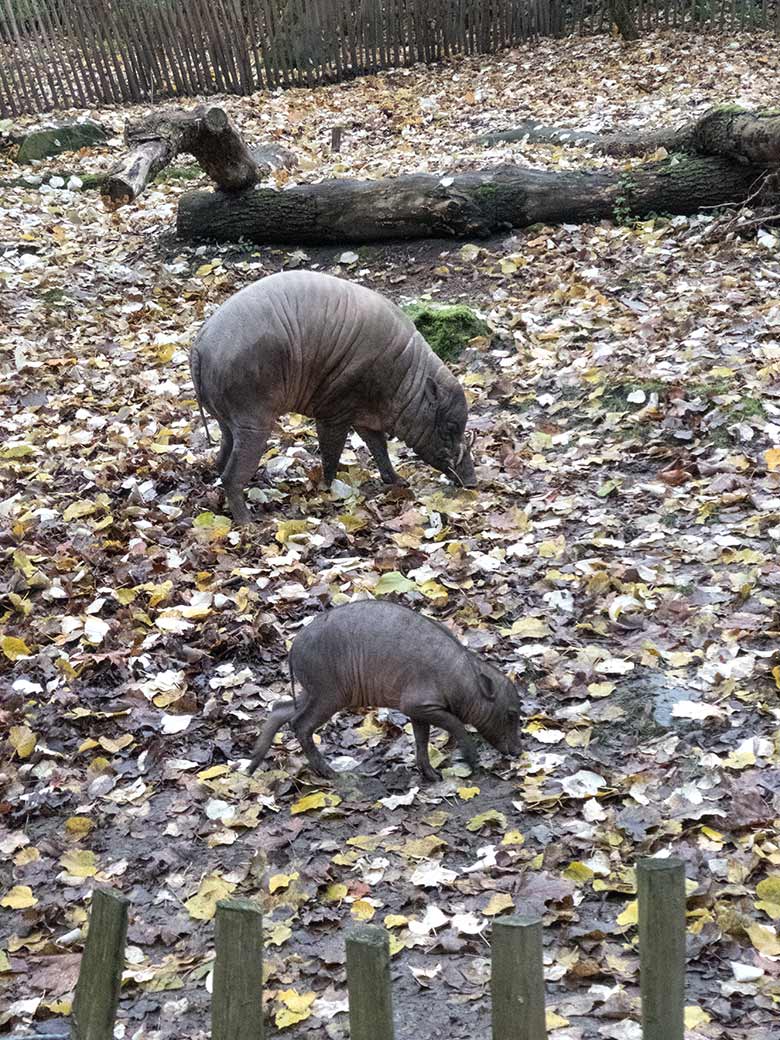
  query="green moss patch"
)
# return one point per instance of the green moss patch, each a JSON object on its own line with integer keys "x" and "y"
{"x": 447, "y": 328}
{"x": 70, "y": 137}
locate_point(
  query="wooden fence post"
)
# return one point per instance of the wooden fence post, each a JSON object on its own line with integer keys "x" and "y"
{"x": 100, "y": 974}
{"x": 517, "y": 979}
{"x": 368, "y": 983}
{"x": 661, "y": 893}
{"x": 237, "y": 996}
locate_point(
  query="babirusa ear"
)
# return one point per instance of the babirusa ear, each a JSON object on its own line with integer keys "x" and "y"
{"x": 431, "y": 390}
{"x": 487, "y": 686}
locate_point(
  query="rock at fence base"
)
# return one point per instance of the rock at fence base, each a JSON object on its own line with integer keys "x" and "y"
{"x": 447, "y": 328}
{"x": 51, "y": 140}
{"x": 273, "y": 156}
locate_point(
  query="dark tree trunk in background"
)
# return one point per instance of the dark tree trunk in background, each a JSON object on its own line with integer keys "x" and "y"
{"x": 623, "y": 17}
{"x": 466, "y": 206}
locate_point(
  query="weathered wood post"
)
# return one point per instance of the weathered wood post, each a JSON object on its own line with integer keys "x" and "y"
{"x": 237, "y": 996}
{"x": 661, "y": 893}
{"x": 368, "y": 982}
{"x": 100, "y": 974}
{"x": 517, "y": 979}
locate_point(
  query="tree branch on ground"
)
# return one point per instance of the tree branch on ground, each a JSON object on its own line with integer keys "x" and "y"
{"x": 727, "y": 131}
{"x": 206, "y": 133}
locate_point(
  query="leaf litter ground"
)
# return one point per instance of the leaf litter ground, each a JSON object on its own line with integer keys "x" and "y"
{"x": 619, "y": 558}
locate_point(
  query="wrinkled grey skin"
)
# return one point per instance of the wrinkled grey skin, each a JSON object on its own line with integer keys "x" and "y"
{"x": 382, "y": 655}
{"x": 324, "y": 347}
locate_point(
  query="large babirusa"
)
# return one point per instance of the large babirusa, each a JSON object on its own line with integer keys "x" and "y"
{"x": 337, "y": 352}
{"x": 377, "y": 654}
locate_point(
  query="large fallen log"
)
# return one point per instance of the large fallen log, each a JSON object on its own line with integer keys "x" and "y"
{"x": 725, "y": 158}
{"x": 206, "y": 133}
{"x": 467, "y": 205}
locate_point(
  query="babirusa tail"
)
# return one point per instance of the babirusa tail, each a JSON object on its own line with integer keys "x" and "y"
{"x": 195, "y": 372}
{"x": 292, "y": 679}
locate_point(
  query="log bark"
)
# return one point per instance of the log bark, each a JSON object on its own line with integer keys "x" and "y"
{"x": 617, "y": 145}
{"x": 208, "y": 134}
{"x": 468, "y": 205}
{"x": 730, "y": 132}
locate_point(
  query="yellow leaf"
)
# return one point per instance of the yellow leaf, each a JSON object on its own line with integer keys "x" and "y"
{"x": 17, "y": 451}
{"x": 396, "y": 944}
{"x": 291, "y": 530}
{"x": 530, "y": 627}
{"x": 115, "y": 746}
{"x": 436, "y": 819}
{"x": 25, "y": 856}
{"x": 600, "y": 689}
{"x": 345, "y": 859}
{"x": 362, "y": 910}
{"x": 740, "y": 759}
{"x": 335, "y": 893}
{"x": 768, "y": 892}
{"x": 713, "y": 835}
{"x": 277, "y": 881}
{"x": 33, "y": 941}
{"x": 79, "y": 826}
{"x": 552, "y": 548}
{"x": 553, "y": 1021}
{"x": 165, "y": 352}
{"x": 578, "y": 873}
{"x": 476, "y": 823}
{"x": 696, "y": 1016}
{"x": 22, "y": 740}
{"x": 772, "y": 457}
{"x": 422, "y": 848}
{"x": 14, "y": 648}
{"x": 205, "y": 269}
{"x": 393, "y": 581}
{"x": 499, "y": 902}
{"x": 630, "y": 915}
{"x": 158, "y": 593}
{"x": 395, "y": 920}
{"x": 297, "y": 1008}
{"x": 20, "y": 897}
{"x": 366, "y": 842}
{"x": 212, "y": 524}
{"x": 79, "y": 863}
{"x": 318, "y": 800}
{"x": 203, "y": 905}
{"x": 5, "y": 964}
{"x": 433, "y": 590}
{"x": 368, "y": 728}
{"x": 467, "y": 793}
{"x": 23, "y": 563}
{"x": 775, "y": 673}
{"x": 512, "y": 838}
{"x": 212, "y": 772}
{"x": 59, "y": 1007}
{"x": 279, "y": 934}
{"x": 77, "y": 509}
{"x": 87, "y": 745}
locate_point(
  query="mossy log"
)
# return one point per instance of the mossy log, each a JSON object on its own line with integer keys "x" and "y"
{"x": 206, "y": 133}
{"x": 469, "y": 205}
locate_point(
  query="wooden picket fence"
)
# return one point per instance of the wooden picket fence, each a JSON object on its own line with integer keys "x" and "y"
{"x": 517, "y": 973}
{"x": 80, "y": 53}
